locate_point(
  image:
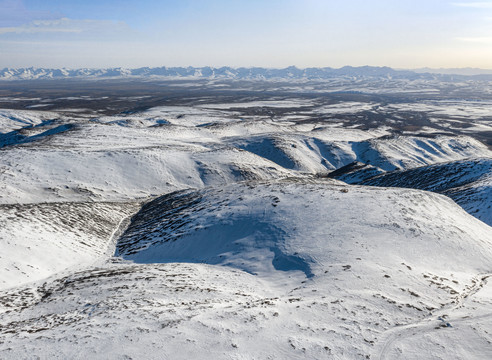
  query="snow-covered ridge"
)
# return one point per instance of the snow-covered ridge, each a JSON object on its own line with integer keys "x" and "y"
{"x": 315, "y": 152}
{"x": 256, "y": 73}
{"x": 467, "y": 182}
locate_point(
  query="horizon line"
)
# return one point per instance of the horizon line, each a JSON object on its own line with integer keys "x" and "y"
{"x": 249, "y": 67}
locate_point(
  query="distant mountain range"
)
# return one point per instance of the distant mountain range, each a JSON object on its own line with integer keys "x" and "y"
{"x": 252, "y": 73}
{"x": 455, "y": 71}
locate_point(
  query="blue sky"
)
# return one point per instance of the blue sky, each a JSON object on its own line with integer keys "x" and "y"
{"x": 270, "y": 33}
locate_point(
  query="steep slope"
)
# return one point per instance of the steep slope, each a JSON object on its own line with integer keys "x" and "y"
{"x": 40, "y": 240}
{"x": 317, "y": 153}
{"x": 355, "y": 172}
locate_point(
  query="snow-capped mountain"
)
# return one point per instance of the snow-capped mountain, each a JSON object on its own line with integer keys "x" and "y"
{"x": 254, "y": 73}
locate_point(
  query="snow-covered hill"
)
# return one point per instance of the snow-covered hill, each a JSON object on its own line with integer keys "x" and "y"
{"x": 468, "y": 182}
{"x": 236, "y": 223}
{"x": 111, "y": 162}
{"x": 310, "y": 269}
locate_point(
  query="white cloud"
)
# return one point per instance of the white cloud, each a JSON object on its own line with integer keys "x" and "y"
{"x": 65, "y": 25}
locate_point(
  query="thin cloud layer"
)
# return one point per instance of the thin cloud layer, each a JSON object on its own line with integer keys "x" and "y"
{"x": 14, "y": 13}
{"x": 65, "y": 25}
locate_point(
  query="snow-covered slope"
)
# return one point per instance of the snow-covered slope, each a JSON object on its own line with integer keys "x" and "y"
{"x": 39, "y": 240}
{"x": 468, "y": 182}
{"x": 236, "y": 223}
{"x": 111, "y": 162}
{"x": 317, "y": 153}
{"x": 11, "y": 120}
{"x": 341, "y": 272}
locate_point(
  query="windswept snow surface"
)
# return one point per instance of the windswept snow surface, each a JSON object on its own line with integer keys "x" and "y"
{"x": 234, "y": 224}
{"x": 310, "y": 269}
{"x": 212, "y": 230}
{"x": 39, "y": 240}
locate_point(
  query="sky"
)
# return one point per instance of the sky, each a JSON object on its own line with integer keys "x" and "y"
{"x": 268, "y": 33}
